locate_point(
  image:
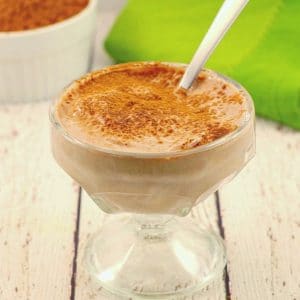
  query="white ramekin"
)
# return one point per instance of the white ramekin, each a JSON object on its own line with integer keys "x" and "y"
{"x": 37, "y": 64}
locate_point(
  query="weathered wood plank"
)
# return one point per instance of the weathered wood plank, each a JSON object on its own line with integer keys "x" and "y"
{"x": 91, "y": 219}
{"x": 261, "y": 216}
{"x": 37, "y": 209}
{"x": 206, "y": 214}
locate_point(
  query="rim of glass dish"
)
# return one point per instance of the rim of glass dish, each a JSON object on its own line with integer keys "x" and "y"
{"x": 51, "y": 27}
{"x": 229, "y": 137}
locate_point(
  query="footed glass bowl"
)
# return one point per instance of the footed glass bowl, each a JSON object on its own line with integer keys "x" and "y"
{"x": 146, "y": 248}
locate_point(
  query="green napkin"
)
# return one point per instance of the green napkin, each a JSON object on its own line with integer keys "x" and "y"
{"x": 261, "y": 50}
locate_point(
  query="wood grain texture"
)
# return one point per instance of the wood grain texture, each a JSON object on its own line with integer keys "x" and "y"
{"x": 261, "y": 215}
{"x": 37, "y": 209}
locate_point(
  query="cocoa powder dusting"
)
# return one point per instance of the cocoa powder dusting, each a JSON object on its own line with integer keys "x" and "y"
{"x": 131, "y": 103}
{"x": 18, "y": 15}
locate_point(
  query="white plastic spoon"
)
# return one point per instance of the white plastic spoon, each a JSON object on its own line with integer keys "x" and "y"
{"x": 226, "y": 16}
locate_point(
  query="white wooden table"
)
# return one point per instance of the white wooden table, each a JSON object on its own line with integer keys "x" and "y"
{"x": 45, "y": 219}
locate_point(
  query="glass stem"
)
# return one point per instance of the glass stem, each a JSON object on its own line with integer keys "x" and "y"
{"x": 153, "y": 227}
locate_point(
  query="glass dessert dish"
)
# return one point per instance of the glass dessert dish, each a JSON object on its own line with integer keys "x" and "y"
{"x": 147, "y": 249}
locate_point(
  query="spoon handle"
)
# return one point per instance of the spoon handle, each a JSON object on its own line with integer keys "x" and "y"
{"x": 227, "y": 14}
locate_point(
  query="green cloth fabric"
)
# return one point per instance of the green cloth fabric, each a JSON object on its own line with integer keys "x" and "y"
{"x": 261, "y": 50}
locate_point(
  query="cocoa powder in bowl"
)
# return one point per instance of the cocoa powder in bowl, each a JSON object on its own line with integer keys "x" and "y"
{"x": 19, "y": 15}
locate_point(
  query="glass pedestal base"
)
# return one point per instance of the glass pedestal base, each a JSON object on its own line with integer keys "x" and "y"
{"x": 154, "y": 257}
